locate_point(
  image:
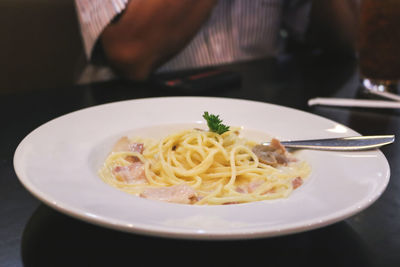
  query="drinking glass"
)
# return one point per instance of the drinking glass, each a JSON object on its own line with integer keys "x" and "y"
{"x": 379, "y": 45}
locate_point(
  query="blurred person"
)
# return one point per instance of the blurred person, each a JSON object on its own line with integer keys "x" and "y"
{"x": 135, "y": 38}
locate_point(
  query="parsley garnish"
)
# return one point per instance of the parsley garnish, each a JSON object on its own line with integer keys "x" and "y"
{"x": 214, "y": 123}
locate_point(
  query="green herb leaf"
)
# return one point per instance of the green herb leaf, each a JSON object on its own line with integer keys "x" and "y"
{"x": 215, "y": 123}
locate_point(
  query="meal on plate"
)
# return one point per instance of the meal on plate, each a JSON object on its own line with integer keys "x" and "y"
{"x": 204, "y": 167}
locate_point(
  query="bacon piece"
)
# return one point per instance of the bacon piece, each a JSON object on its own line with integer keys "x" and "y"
{"x": 249, "y": 187}
{"x": 124, "y": 144}
{"x": 133, "y": 173}
{"x": 132, "y": 159}
{"x": 231, "y": 203}
{"x": 177, "y": 194}
{"x": 136, "y": 147}
{"x": 253, "y": 185}
{"x": 297, "y": 182}
{"x": 275, "y": 154}
{"x": 241, "y": 189}
{"x": 121, "y": 145}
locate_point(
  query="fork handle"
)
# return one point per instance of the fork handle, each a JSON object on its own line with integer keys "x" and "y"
{"x": 352, "y": 143}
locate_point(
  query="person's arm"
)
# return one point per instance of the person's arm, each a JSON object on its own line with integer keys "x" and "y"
{"x": 149, "y": 32}
{"x": 334, "y": 25}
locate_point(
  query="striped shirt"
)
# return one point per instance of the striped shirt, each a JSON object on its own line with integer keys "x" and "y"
{"x": 237, "y": 30}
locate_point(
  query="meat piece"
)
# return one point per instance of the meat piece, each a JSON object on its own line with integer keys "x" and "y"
{"x": 133, "y": 173}
{"x": 231, "y": 203}
{"x": 275, "y": 154}
{"x": 121, "y": 145}
{"x": 241, "y": 189}
{"x": 297, "y": 182}
{"x": 132, "y": 159}
{"x": 249, "y": 187}
{"x": 181, "y": 193}
{"x": 124, "y": 144}
{"x": 277, "y": 146}
{"x": 136, "y": 147}
{"x": 252, "y": 186}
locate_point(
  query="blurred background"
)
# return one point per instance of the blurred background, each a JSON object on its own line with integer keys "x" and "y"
{"x": 40, "y": 45}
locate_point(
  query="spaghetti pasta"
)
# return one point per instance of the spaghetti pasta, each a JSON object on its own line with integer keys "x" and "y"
{"x": 201, "y": 167}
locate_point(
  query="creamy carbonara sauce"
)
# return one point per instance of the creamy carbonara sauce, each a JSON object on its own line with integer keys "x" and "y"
{"x": 199, "y": 167}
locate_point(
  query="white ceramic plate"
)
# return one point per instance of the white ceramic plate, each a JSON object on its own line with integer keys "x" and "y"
{"x": 58, "y": 163}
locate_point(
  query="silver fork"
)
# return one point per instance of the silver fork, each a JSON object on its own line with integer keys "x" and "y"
{"x": 341, "y": 144}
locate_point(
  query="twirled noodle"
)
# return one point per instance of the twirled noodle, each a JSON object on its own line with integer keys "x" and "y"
{"x": 221, "y": 169}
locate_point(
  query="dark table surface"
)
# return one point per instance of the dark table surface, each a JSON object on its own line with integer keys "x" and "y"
{"x": 33, "y": 234}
